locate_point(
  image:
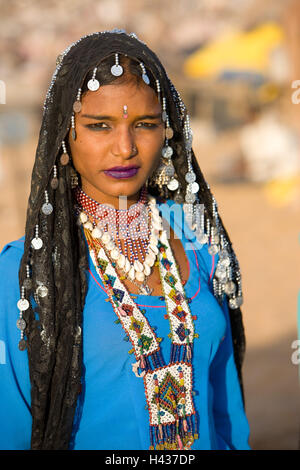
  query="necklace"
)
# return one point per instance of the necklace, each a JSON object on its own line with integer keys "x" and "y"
{"x": 168, "y": 387}
{"x": 137, "y": 226}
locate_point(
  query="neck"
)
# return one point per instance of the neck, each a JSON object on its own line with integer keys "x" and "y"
{"x": 118, "y": 202}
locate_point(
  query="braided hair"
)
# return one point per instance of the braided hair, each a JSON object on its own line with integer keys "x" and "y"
{"x": 54, "y": 322}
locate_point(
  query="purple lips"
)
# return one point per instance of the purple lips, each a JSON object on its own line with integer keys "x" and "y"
{"x": 122, "y": 171}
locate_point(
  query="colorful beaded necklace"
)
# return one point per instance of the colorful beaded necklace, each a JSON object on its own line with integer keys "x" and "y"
{"x": 168, "y": 387}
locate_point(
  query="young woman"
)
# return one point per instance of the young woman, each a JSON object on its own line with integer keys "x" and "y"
{"x": 123, "y": 241}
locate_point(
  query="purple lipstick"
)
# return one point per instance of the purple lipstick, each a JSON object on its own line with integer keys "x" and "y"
{"x": 122, "y": 171}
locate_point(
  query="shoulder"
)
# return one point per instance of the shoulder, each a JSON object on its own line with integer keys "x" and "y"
{"x": 11, "y": 255}
{"x": 10, "y": 258}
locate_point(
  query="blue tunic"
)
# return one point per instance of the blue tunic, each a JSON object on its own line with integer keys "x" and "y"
{"x": 111, "y": 413}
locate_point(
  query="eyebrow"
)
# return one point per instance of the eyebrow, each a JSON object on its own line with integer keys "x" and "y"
{"x": 111, "y": 118}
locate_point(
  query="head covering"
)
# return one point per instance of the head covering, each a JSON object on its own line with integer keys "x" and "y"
{"x": 54, "y": 321}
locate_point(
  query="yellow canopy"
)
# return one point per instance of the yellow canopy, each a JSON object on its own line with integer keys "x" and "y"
{"x": 241, "y": 51}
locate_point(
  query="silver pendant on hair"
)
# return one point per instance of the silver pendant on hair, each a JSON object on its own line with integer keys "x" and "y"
{"x": 21, "y": 324}
{"x": 47, "y": 208}
{"x": 37, "y": 243}
{"x": 93, "y": 83}
{"x": 190, "y": 177}
{"x": 117, "y": 69}
{"x": 167, "y": 151}
{"x": 42, "y": 291}
{"x": 23, "y": 304}
{"x": 173, "y": 184}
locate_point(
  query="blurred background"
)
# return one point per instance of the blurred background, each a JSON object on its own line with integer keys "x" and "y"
{"x": 236, "y": 64}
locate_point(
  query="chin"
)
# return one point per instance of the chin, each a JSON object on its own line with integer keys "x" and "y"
{"x": 125, "y": 188}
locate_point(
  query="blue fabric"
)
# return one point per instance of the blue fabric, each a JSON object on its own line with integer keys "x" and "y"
{"x": 111, "y": 410}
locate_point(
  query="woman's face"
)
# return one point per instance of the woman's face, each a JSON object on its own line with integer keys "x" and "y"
{"x": 113, "y": 154}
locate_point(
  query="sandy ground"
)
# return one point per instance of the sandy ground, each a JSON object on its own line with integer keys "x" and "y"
{"x": 264, "y": 229}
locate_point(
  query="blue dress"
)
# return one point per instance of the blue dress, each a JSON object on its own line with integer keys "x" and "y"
{"x": 111, "y": 412}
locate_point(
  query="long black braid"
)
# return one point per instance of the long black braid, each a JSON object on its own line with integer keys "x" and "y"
{"x": 54, "y": 322}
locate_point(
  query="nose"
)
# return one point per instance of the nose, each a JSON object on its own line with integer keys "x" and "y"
{"x": 124, "y": 143}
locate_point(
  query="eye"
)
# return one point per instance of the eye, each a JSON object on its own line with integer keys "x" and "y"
{"x": 147, "y": 125}
{"x": 98, "y": 126}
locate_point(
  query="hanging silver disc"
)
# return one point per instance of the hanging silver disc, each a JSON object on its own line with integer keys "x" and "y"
{"x": 77, "y": 106}
{"x": 42, "y": 291}
{"x": 146, "y": 78}
{"x": 167, "y": 152}
{"x": 47, "y": 208}
{"x": 37, "y": 243}
{"x": 194, "y": 187}
{"x": 117, "y": 70}
{"x": 233, "y": 303}
{"x": 54, "y": 183}
{"x": 21, "y": 324}
{"x": 230, "y": 287}
{"x": 23, "y": 304}
{"x": 190, "y": 177}
{"x": 93, "y": 84}
{"x": 190, "y": 198}
{"x": 169, "y": 170}
{"x": 22, "y": 345}
{"x": 64, "y": 159}
{"x": 173, "y": 184}
{"x": 169, "y": 132}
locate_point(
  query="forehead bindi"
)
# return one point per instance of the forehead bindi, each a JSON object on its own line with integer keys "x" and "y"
{"x": 110, "y": 100}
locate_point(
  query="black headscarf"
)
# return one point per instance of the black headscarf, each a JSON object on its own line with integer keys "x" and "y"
{"x": 54, "y": 322}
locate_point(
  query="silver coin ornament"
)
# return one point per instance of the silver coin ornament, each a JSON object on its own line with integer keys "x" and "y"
{"x": 190, "y": 177}
{"x": 23, "y": 304}
{"x": 229, "y": 287}
{"x": 93, "y": 84}
{"x": 21, "y": 324}
{"x": 194, "y": 187}
{"x": 37, "y": 243}
{"x": 22, "y": 345}
{"x": 117, "y": 70}
{"x": 54, "y": 183}
{"x": 77, "y": 106}
{"x": 169, "y": 170}
{"x": 164, "y": 116}
{"x": 173, "y": 185}
{"x": 27, "y": 283}
{"x": 233, "y": 303}
{"x": 47, "y": 208}
{"x": 213, "y": 250}
{"x": 169, "y": 132}
{"x": 190, "y": 198}
{"x": 42, "y": 291}
{"x": 146, "y": 78}
{"x": 167, "y": 152}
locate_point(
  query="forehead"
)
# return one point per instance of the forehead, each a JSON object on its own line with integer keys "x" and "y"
{"x": 138, "y": 97}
